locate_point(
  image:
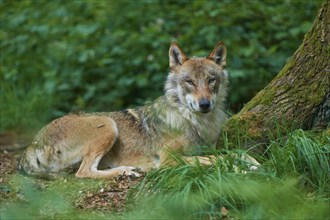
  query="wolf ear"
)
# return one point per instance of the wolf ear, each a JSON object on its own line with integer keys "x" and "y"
{"x": 218, "y": 54}
{"x": 177, "y": 57}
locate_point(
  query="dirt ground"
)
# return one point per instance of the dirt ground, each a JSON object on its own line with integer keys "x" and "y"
{"x": 111, "y": 198}
{"x": 8, "y": 164}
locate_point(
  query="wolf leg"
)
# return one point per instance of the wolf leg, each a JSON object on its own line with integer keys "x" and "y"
{"x": 88, "y": 169}
{"x": 252, "y": 163}
{"x": 116, "y": 171}
{"x": 203, "y": 160}
{"x": 93, "y": 151}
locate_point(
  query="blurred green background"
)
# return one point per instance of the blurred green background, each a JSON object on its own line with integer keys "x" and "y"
{"x": 68, "y": 56}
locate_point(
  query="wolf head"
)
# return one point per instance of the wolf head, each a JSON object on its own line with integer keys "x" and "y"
{"x": 197, "y": 84}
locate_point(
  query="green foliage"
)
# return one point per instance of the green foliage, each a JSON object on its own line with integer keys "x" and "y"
{"x": 104, "y": 55}
{"x": 26, "y": 109}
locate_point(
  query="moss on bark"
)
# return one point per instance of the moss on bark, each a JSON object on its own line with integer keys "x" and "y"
{"x": 293, "y": 97}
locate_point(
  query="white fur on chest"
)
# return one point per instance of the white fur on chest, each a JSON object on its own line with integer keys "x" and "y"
{"x": 207, "y": 126}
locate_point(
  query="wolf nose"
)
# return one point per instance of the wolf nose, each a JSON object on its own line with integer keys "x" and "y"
{"x": 204, "y": 105}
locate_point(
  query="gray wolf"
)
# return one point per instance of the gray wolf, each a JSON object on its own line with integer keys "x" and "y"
{"x": 189, "y": 115}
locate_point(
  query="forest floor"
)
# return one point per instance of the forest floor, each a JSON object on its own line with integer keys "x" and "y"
{"x": 110, "y": 197}
{"x": 292, "y": 184}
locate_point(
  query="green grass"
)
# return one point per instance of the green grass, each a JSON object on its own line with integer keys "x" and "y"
{"x": 303, "y": 156}
{"x": 293, "y": 182}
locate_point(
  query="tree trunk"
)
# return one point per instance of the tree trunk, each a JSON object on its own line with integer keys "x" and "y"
{"x": 298, "y": 97}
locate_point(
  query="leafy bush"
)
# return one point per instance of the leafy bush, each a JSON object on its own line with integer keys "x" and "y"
{"x": 105, "y": 55}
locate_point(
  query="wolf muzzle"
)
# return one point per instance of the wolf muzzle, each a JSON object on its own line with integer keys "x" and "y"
{"x": 204, "y": 105}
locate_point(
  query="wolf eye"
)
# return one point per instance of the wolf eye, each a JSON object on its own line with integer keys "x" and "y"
{"x": 190, "y": 82}
{"x": 212, "y": 80}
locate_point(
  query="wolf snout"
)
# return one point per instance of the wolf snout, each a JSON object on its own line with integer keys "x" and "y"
{"x": 204, "y": 105}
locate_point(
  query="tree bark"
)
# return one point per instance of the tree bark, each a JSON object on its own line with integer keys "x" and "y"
{"x": 298, "y": 97}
